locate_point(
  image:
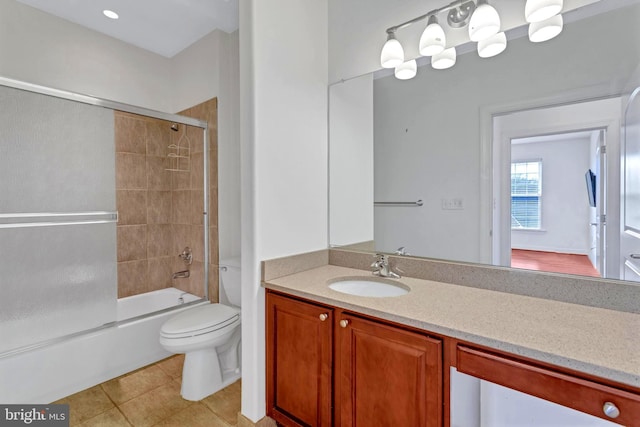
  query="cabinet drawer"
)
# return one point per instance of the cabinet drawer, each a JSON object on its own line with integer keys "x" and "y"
{"x": 573, "y": 392}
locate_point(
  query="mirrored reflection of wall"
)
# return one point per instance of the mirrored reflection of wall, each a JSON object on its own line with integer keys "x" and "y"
{"x": 427, "y": 130}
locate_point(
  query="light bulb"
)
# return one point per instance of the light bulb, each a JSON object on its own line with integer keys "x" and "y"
{"x": 539, "y": 10}
{"x": 392, "y": 53}
{"x": 110, "y": 14}
{"x": 545, "y": 30}
{"x": 433, "y": 39}
{"x": 492, "y": 46}
{"x": 406, "y": 70}
{"x": 444, "y": 59}
{"x": 484, "y": 22}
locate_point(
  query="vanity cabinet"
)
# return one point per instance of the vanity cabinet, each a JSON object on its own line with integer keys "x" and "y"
{"x": 299, "y": 346}
{"x": 327, "y": 367}
{"x": 585, "y": 395}
{"x": 386, "y": 376}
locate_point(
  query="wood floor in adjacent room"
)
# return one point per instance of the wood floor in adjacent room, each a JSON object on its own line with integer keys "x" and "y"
{"x": 553, "y": 262}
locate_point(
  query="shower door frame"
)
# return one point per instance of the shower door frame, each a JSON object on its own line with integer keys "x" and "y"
{"x": 108, "y": 216}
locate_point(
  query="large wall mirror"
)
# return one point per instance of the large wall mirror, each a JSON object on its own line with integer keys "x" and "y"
{"x": 528, "y": 159}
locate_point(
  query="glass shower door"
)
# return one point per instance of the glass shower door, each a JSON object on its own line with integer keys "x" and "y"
{"x": 57, "y": 218}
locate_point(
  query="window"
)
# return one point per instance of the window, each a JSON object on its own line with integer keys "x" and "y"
{"x": 526, "y": 192}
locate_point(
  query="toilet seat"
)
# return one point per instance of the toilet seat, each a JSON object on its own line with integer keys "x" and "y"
{"x": 202, "y": 320}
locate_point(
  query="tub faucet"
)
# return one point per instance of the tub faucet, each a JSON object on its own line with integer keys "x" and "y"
{"x": 184, "y": 274}
{"x": 381, "y": 267}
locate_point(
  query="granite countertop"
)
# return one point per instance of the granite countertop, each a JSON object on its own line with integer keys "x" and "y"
{"x": 597, "y": 341}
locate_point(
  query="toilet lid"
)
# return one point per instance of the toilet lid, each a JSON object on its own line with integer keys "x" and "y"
{"x": 200, "y": 320}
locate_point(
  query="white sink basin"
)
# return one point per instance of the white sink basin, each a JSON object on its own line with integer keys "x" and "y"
{"x": 365, "y": 287}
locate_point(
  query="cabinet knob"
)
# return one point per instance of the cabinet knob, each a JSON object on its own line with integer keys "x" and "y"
{"x": 344, "y": 323}
{"x": 323, "y": 317}
{"x": 610, "y": 410}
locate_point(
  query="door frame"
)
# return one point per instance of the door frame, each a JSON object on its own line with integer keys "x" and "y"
{"x": 589, "y": 114}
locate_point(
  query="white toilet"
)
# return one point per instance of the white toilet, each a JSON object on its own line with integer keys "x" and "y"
{"x": 209, "y": 336}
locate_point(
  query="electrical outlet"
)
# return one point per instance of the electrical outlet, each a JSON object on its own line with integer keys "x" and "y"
{"x": 453, "y": 204}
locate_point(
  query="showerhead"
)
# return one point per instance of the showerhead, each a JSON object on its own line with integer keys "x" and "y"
{"x": 174, "y": 127}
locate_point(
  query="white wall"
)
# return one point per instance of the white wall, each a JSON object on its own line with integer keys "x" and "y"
{"x": 283, "y": 85}
{"x": 43, "y": 49}
{"x": 565, "y": 206}
{"x": 351, "y": 183}
{"x": 39, "y": 48}
{"x": 427, "y": 130}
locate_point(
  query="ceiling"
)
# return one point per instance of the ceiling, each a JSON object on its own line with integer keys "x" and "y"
{"x": 165, "y": 27}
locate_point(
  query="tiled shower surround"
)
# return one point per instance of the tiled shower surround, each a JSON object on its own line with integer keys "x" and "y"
{"x": 160, "y": 211}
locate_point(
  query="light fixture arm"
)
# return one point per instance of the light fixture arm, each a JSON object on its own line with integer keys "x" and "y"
{"x": 452, "y": 5}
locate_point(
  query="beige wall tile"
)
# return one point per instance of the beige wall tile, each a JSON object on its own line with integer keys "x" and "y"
{"x": 132, "y": 242}
{"x": 132, "y": 207}
{"x": 158, "y": 137}
{"x": 196, "y": 239}
{"x": 159, "y": 207}
{"x": 131, "y": 171}
{"x": 132, "y": 278}
{"x": 214, "y": 281}
{"x": 197, "y": 170}
{"x": 130, "y": 134}
{"x": 158, "y": 177}
{"x": 160, "y": 270}
{"x": 214, "y": 252}
{"x": 180, "y": 180}
{"x": 181, "y": 237}
{"x": 159, "y": 239}
{"x": 195, "y": 135}
{"x": 181, "y": 207}
{"x": 196, "y": 209}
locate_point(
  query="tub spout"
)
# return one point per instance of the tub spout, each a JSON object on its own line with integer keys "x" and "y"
{"x": 181, "y": 274}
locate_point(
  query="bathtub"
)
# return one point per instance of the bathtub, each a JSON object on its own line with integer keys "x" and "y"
{"x": 51, "y": 371}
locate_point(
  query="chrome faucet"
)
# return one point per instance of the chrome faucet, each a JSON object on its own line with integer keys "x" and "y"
{"x": 184, "y": 274}
{"x": 381, "y": 267}
{"x": 401, "y": 251}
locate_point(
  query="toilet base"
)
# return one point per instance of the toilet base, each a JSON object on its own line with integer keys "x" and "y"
{"x": 201, "y": 375}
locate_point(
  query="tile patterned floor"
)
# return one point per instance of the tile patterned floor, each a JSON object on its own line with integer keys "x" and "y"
{"x": 149, "y": 397}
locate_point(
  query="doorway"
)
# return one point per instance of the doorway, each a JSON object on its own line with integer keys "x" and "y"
{"x": 559, "y": 156}
{"x": 554, "y": 183}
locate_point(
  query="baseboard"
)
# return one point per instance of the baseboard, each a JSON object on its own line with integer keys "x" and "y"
{"x": 246, "y": 422}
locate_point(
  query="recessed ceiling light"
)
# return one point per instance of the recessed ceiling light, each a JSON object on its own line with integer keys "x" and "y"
{"x": 110, "y": 14}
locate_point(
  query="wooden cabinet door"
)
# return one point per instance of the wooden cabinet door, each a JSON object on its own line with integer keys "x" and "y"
{"x": 299, "y": 362}
{"x": 386, "y": 376}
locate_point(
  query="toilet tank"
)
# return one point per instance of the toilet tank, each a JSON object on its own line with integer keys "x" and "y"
{"x": 230, "y": 281}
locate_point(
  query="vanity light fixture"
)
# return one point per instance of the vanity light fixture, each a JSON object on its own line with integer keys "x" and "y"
{"x": 540, "y": 10}
{"x": 545, "y": 30}
{"x": 110, "y": 14}
{"x": 433, "y": 39}
{"x": 406, "y": 70}
{"x": 493, "y": 45}
{"x": 392, "y": 53}
{"x": 484, "y": 23}
{"x": 483, "y": 26}
{"x": 445, "y": 59}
